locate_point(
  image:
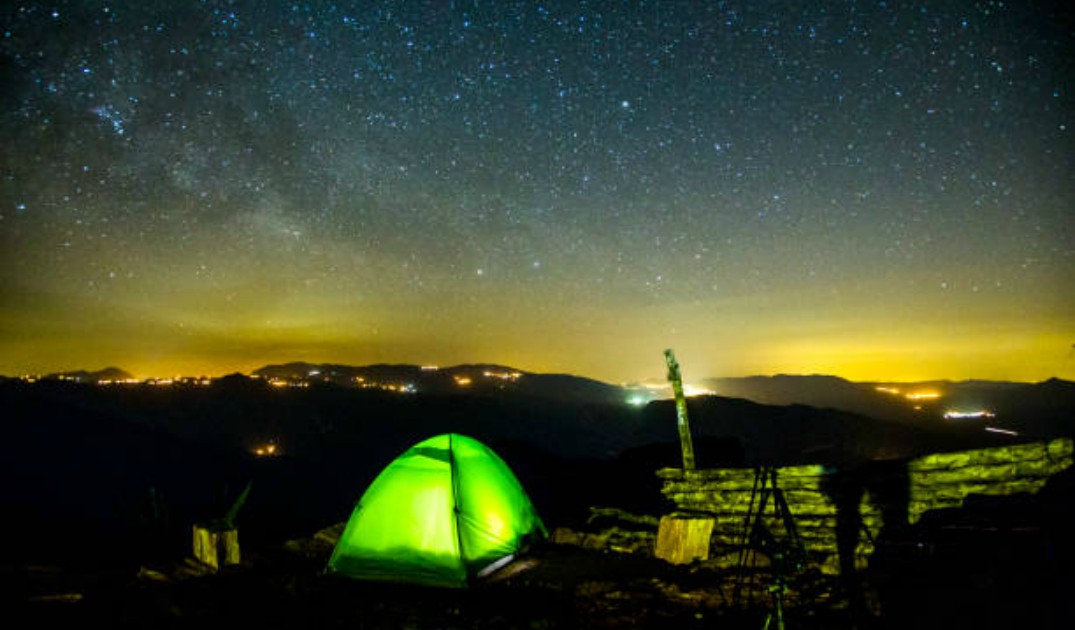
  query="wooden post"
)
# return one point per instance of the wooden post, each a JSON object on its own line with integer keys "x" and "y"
{"x": 205, "y": 547}
{"x": 229, "y": 547}
{"x": 681, "y": 410}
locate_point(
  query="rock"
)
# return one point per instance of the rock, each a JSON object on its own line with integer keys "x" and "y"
{"x": 151, "y": 575}
{"x": 318, "y": 546}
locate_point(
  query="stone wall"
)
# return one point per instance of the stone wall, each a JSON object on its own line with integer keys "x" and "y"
{"x": 824, "y": 500}
{"x": 611, "y": 529}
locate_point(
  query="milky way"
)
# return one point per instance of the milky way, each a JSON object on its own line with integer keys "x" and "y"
{"x": 871, "y": 189}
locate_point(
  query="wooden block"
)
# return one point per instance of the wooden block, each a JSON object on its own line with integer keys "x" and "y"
{"x": 213, "y": 548}
{"x": 683, "y": 540}
{"x": 205, "y": 547}
{"x": 229, "y": 546}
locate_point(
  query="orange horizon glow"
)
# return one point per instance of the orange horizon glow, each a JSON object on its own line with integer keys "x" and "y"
{"x": 712, "y": 339}
{"x": 897, "y": 375}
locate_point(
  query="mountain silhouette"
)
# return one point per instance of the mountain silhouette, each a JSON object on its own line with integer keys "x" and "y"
{"x": 481, "y": 378}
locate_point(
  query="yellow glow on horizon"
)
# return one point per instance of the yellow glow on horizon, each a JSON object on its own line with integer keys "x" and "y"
{"x": 696, "y": 390}
{"x": 759, "y": 335}
{"x": 1014, "y": 355}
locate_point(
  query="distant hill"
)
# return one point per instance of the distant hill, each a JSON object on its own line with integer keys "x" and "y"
{"x": 83, "y": 376}
{"x": 800, "y": 434}
{"x": 825, "y": 392}
{"x": 1033, "y": 409}
{"x": 480, "y": 378}
{"x": 85, "y": 454}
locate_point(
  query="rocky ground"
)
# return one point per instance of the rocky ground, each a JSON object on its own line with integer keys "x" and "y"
{"x": 959, "y": 576}
{"x": 557, "y": 586}
{"x": 995, "y": 562}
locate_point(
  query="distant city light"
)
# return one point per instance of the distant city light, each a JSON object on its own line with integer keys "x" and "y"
{"x": 696, "y": 390}
{"x": 638, "y": 400}
{"x": 266, "y": 450}
{"x": 895, "y": 391}
{"x": 1003, "y": 431}
{"x": 922, "y": 396}
{"x": 505, "y": 376}
{"x": 463, "y": 381}
{"x": 654, "y": 391}
{"x": 981, "y": 413}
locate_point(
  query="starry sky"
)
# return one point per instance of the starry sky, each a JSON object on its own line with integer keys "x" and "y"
{"x": 878, "y": 190}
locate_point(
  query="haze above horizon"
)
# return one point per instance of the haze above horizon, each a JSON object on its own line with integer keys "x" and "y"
{"x": 882, "y": 192}
{"x": 648, "y": 382}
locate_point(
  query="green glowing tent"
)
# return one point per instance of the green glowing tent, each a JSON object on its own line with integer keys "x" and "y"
{"x": 444, "y": 512}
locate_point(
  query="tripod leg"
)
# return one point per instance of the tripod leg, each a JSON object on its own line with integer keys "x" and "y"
{"x": 779, "y": 611}
{"x": 748, "y": 528}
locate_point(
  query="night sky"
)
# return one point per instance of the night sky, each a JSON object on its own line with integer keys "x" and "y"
{"x": 876, "y": 190}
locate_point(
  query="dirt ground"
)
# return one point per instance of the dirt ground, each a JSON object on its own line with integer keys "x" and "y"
{"x": 971, "y": 568}
{"x": 555, "y": 587}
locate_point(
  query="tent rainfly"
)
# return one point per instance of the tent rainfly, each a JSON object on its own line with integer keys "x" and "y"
{"x": 446, "y": 511}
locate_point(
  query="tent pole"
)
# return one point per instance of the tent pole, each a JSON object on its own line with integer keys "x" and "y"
{"x": 456, "y": 510}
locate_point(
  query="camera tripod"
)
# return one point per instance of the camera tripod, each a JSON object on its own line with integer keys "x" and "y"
{"x": 786, "y": 554}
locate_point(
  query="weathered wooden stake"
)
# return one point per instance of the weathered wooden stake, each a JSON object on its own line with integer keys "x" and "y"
{"x": 681, "y": 410}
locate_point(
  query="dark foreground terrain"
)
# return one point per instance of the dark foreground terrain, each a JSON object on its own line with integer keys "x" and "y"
{"x": 557, "y": 587}
{"x": 102, "y": 487}
{"x": 1000, "y": 562}
{"x": 961, "y": 579}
